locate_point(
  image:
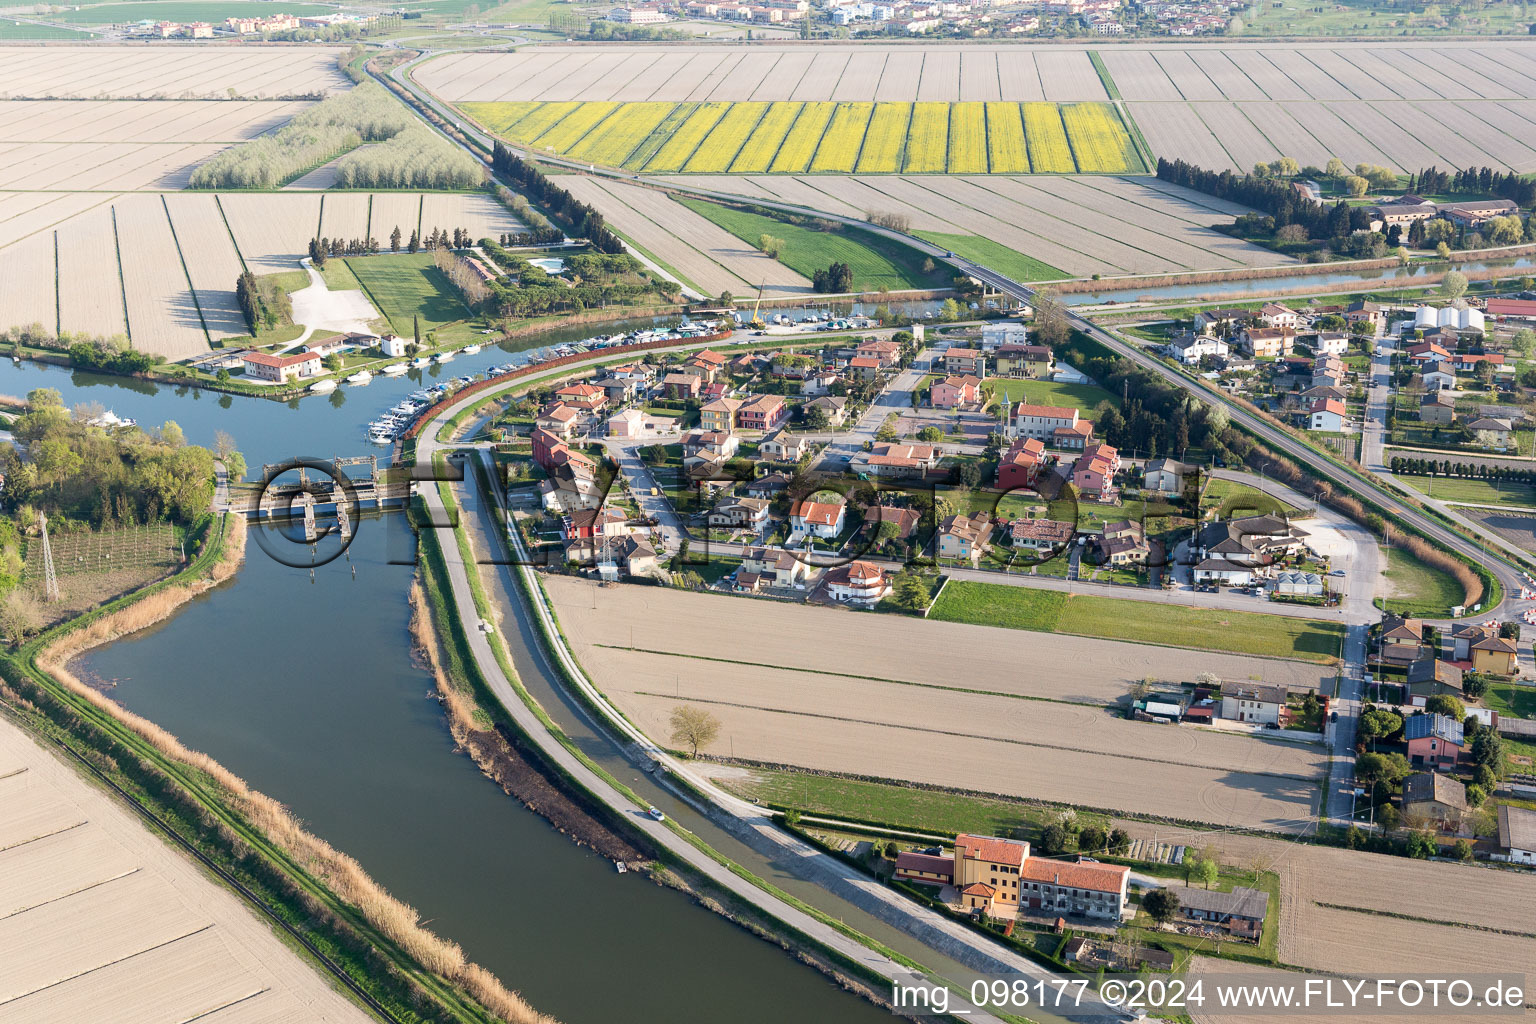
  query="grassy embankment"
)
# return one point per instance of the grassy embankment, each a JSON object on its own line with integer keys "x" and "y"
{"x": 1051, "y": 611}
{"x": 1008, "y": 262}
{"x": 877, "y": 262}
{"x": 1473, "y": 492}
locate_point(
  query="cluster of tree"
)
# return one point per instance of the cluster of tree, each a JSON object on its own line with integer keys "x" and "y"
{"x": 335, "y": 125}
{"x": 592, "y": 280}
{"x": 1275, "y": 197}
{"x": 1066, "y": 834}
{"x": 540, "y": 230}
{"x": 1158, "y": 418}
{"x": 1482, "y": 180}
{"x": 110, "y": 354}
{"x": 836, "y": 279}
{"x": 1465, "y": 470}
{"x": 322, "y": 248}
{"x": 583, "y": 219}
{"x": 457, "y": 270}
{"x": 262, "y": 302}
{"x": 891, "y": 221}
{"x": 88, "y": 473}
{"x": 415, "y": 157}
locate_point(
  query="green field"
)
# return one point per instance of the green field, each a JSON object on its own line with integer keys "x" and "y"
{"x": 175, "y": 10}
{"x": 1231, "y": 498}
{"x": 988, "y": 253}
{"x": 1051, "y": 611}
{"x": 1473, "y": 492}
{"x": 22, "y": 30}
{"x": 876, "y": 262}
{"x": 1086, "y": 397}
{"x": 407, "y": 285}
{"x": 1511, "y": 701}
{"x": 882, "y": 803}
{"x": 716, "y": 137}
{"x": 1418, "y": 589}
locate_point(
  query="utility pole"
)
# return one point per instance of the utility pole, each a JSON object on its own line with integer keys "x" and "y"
{"x": 50, "y": 578}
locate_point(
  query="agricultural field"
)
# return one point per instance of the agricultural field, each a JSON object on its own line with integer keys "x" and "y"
{"x": 95, "y": 566}
{"x": 97, "y": 908}
{"x": 822, "y": 137}
{"x": 1056, "y": 226}
{"x": 165, "y": 239}
{"x": 687, "y": 245}
{"x": 1406, "y": 105}
{"x": 1348, "y": 912}
{"x": 817, "y": 703}
{"x": 1052, "y": 611}
{"x": 876, "y": 262}
{"x": 200, "y": 72}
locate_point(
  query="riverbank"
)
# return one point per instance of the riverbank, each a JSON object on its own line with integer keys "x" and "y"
{"x": 353, "y": 926}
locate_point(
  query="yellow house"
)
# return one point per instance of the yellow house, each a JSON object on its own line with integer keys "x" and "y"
{"x": 987, "y": 871}
{"x": 1496, "y": 654}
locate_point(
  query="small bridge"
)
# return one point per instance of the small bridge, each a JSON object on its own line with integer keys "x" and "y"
{"x": 305, "y": 488}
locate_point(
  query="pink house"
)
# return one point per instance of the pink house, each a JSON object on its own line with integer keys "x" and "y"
{"x": 952, "y": 392}
{"x": 1433, "y": 740}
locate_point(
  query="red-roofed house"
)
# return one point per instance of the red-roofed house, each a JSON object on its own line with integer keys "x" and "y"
{"x": 280, "y": 369}
{"x": 1041, "y": 421}
{"x": 865, "y": 367}
{"x": 1021, "y": 463}
{"x": 861, "y": 584}
{"x": 559, "y": 419}
{"x": 586, "y": 397}
{"x": 1327, "y": 414}
{"x": 953, "y": 392}
{"x": 762, "y": 412}
{"x": 818, "y": 518}
{"x": 965, "y": 360}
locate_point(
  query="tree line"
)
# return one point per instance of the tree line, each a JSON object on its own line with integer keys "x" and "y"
{"x": 1485, "y": 180}
{"x": 583, "y": 219}
{"x": 1464, "y": 470}
{"x": 262, "y": 304}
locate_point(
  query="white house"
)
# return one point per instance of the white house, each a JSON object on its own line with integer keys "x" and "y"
{"x": 1330, "y": 343}
{"x": 818, "y": 518}
{"x": 1439, "y": 376}
{"x": 1189, "y": 349}
{"x": 1164, "y": 476}
{"x": 1276, "y": 315}
{"x": 1327, "y": 414}
{"x": 392, "y": 345}
{"x": 1253, "y": 703}
{"x": 861, "y": 584}
{"x": 995, "y": 335}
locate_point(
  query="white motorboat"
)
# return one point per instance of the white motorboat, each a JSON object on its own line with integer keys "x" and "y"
{"x": 360, "y": 377}
{"x": 320, "y": 387}
{"x": 421, "y": 362}
{"x": 470, "y": 350}
{"x": 444, "y": 357}
{"x": 396, "y": 369}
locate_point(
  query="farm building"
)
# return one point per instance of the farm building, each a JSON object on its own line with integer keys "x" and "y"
{"x": 1517, "y": 833}
{"x": 1240, "y": 912}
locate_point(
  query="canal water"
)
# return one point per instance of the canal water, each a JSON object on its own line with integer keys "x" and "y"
{"x": 306, "y": 689}
{"x": 1387, "y": 278}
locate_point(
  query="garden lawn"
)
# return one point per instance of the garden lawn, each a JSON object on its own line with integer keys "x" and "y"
{"x": 1008, "y": 262}
{"x": 1473, "y": 492}
{"x": 876, "y": 262}
{"x": 1233, "y": 498}
{"x": 1417, "y": 589}
{"x": 1086, "y": 397}
{"x": 408, "y": 284}
{"x": 1511, "y": 701}
{"x": 1050, "y": 611}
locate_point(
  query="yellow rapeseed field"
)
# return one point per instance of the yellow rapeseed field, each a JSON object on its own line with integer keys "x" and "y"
{"x": 659, "y": 135}
{"x": 677, "y": 150}
{"x": 967, "y": 138}
{"x": 794, "y": 156}
{"x": 574, "y": 126}
{"x": 1006, "y": 151}
{"x": 1049, "y": 152}
{"x": 766, "y": 139}
{"x": 928, "y": 139}
{"x": 721, "y": 145}
{"x": 824, "y": 137}
{"x": 612, "y": 141}
{"x": 1099, "y": 139}
{"x": 885, "y": 139}
{"x": 500, "y": 118}
{"x": 839, "y": 149}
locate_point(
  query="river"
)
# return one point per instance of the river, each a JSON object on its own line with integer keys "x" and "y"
{"x": 306, "y": 688}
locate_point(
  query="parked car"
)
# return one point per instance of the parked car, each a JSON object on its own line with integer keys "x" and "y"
{"x": 655, "y": 813}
